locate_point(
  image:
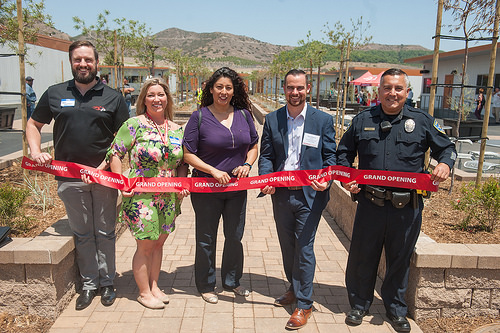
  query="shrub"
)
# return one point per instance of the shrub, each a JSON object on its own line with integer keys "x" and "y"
{"x": 481, "y": 205}
{"x": 40, "y": 192}
{"x": 11, "y": 201}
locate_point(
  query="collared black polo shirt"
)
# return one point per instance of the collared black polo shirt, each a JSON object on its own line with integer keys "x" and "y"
{"x": 84, "y": 126}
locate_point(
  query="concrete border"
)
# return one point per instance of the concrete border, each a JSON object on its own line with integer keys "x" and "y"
{"x": 446, "y": 280}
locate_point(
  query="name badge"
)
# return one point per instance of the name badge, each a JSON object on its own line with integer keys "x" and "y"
{"x": 310, "y": 140}
{"x": 67, "y": 102}
{"x": 175, "y": 141}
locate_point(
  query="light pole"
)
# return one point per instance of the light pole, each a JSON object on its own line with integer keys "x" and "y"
{"x": 153, "y": 49}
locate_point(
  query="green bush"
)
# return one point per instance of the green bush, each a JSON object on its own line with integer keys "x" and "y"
{"x": 11, "y": 201}
{"x": 481, "y": 205}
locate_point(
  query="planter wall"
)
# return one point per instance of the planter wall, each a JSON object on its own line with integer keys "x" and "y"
{"x": 468, "y": 128}
{"x": 37, "y": 275}
{"x": 446, "y": 280}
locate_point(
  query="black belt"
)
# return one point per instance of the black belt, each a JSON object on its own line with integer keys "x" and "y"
{"x": 399, "y": 199}
{"x": 294, "y": 188}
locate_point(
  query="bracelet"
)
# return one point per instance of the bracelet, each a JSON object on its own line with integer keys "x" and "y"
{"x": 249, "y": 165}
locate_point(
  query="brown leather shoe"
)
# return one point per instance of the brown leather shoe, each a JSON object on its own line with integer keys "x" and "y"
{"x": 298, "y": 319}
{"x": 285, "y": 299}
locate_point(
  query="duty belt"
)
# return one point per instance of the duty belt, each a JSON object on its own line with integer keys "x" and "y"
{"x": 399, "y": 199}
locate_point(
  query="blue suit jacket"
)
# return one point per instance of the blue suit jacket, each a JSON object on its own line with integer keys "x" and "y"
{"x": 274, "y": 146}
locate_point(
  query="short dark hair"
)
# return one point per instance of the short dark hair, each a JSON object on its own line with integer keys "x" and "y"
{"x": 81, "y": 43}
{"x": 295, "y": 72}
{"x": 240, "y": 98}
{"x": 394, "y": 72}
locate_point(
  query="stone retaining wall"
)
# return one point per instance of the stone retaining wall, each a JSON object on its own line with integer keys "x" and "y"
{"x": 37, "y": 275}
{"x": 446, "y": 280}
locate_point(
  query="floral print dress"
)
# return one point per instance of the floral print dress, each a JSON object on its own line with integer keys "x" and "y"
{"x": 149, "y": 214}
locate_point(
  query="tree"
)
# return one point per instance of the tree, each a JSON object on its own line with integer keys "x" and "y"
{"x": 473, "y": 18}
{"x": 281, "y": 64}
{"x": 176, "y": 57}
{"x": 313, "y": 54}
{"x": 18, "y": 25}
{"x": 32, "y": 15}
{"x": 130, "y": 37}
{"x": 344, "y": 41}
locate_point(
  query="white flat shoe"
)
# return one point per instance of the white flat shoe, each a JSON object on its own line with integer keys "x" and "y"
{"x": 157, "y": 304}
{"x": 210, "y": 297}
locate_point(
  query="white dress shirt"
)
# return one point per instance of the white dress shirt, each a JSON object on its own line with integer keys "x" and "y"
{"x": 295, "y": 134}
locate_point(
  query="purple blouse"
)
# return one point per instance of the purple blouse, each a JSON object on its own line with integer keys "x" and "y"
{"x": 217, "y": 145}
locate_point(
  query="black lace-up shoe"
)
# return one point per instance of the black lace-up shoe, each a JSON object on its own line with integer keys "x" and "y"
{"x": 108, "y": 295}
{"x": 355, "y": 317}
{"x": 85, "y": 299}
{"x": 399, "y": 323}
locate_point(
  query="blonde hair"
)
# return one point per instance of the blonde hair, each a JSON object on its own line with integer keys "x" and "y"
{"x": 141, "y": 107}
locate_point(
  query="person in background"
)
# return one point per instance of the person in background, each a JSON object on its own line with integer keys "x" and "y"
{"x": 30, "y": 97}
{"x": 297, "y": 137}
{"x": 409, "y": 100}
{"x": 86, "y": 116}
{"x": 221, "y": 142}
{"x": 199, "y": 94}
{"x": 395, "y": 137}
{"x": 127, "y": 92}
{"x": 480, "y": 100}
{"x": 154, "y": 144}
{"x": 496, "y": 105}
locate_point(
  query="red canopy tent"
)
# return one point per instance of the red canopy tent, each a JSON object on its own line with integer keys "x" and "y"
{"x": 367, "y": 79}
{"x": 361, "y": 79}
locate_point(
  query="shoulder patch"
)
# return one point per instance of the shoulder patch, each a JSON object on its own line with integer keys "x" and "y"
{"x": 438, "y": 127}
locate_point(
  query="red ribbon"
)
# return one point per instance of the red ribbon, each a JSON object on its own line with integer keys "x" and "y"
{"x": 407, "y": 180}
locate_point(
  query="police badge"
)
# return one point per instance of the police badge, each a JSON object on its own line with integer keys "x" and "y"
{"x": 409, "y": 125}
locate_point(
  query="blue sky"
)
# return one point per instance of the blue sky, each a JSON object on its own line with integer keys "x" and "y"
{"x": 282, "y": 22}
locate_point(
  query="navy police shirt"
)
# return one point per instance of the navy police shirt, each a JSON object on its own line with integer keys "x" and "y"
{"x": 401, "y": 146}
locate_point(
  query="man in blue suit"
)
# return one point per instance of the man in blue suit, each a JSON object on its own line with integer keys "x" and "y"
{"x": 297, "y": 137}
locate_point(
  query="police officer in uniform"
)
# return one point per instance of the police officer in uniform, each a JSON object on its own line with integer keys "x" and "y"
{"x": 391, "y": 136}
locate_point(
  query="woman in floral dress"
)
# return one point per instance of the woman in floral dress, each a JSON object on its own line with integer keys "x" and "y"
{"x": 154, "y": 143}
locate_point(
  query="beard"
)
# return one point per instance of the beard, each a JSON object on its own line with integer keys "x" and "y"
{"x": 85, "y": 79}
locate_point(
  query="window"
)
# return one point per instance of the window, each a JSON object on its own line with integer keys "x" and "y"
{"x": 482, "y": 81}
{"x": 427, "y": 85}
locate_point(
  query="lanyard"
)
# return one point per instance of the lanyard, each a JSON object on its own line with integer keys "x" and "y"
{"x": 163, "y": 139}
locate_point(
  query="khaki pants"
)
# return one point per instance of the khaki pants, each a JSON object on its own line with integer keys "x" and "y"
{"x": 496, "y": 113}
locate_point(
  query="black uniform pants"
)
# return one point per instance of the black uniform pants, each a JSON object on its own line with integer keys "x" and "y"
{"x": 397, "y": 230}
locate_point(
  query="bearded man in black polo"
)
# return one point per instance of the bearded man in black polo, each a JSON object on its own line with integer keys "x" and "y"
{"x": 86, "y": 115}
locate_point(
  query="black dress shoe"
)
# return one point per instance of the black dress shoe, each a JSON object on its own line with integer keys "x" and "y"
{"x": 108, "y": 295}
{"x": 399, "y": 323}
{"x": 355, "y": 317}
{"x": 85, "y": 299}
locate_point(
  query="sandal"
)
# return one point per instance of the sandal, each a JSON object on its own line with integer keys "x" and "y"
{"x": 210, "y": 297}
{"x": 154, "y": 305}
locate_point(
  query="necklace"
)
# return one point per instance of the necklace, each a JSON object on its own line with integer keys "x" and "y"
{"x": 164, "y": 139}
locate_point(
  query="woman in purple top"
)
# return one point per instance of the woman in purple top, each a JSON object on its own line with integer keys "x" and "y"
{"x": 220, "y": 141}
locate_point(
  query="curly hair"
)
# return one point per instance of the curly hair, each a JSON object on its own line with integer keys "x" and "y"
{"x": 168, "y": 113}
{"x": 240, "y": 98}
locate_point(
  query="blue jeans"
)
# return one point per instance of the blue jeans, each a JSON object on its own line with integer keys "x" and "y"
{"x": 129, "y": 106}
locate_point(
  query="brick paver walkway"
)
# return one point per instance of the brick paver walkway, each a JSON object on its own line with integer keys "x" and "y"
{"x": 263, "y": 273}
